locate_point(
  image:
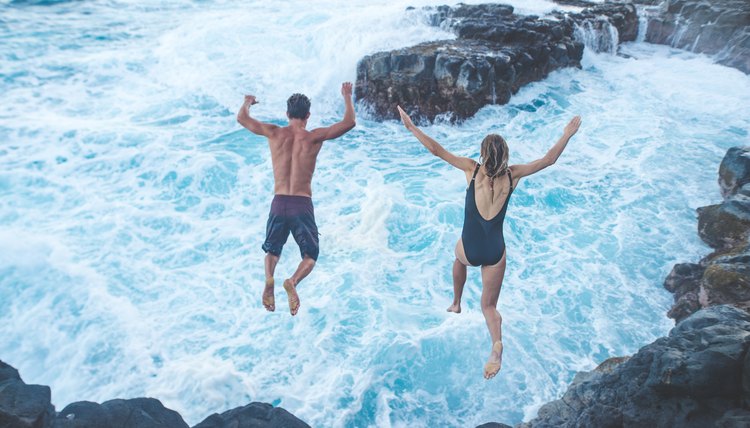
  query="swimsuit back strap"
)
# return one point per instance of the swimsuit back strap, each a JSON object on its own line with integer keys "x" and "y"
{"x": 510, "y": 179}
{"x": 476, "y": 170}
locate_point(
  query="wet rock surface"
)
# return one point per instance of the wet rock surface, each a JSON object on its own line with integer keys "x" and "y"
{"x": 29, "y": 406}
{"x": 718, "y": 27}
{"x": 722, "y": 277}
{"x": 695, "y": 377}
{"x": 495, "y": 53}
{"x": 253, "y": 415}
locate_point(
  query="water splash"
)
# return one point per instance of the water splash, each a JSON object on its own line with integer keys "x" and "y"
{"x": 598, "y": 35}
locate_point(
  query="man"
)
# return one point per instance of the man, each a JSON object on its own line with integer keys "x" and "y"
{"x": 294, "y": 151}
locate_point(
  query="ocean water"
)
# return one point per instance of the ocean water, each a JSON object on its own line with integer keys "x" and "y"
{"x": 133, "y": 208}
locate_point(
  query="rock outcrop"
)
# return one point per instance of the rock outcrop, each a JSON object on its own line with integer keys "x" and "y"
{"x": 22, "y": 405}
{"x": 698, "y": 376}
{"x": 133, "y": 413}
{"x": 253, "y": 415}
{"x": 718, "y": 27}
{"x": 722, "y": 277}
{"x": 495, "y": 53}
{"x": 29, "y": 406}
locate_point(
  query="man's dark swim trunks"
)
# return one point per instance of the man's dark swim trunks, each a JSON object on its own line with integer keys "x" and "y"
{"x": 292, "y": 214}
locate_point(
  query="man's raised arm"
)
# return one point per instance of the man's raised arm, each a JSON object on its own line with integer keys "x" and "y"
{"x": 253, "y": 125}
{"x": 345, "y": 125}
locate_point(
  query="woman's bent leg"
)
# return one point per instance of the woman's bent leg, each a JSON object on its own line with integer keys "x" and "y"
{"x": 492, "y": 281}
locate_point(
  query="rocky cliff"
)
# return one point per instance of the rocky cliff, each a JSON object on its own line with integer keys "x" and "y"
{"x": 495, "y": 53}
{"x": 698, "y": 376}
{"x": 722, "y": 277}
{"x": 720, "y": 28}
{"x": 29, "y": 406}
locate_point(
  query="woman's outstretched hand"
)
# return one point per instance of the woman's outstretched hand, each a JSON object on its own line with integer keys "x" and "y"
{"x": 405, "y": 118}
{"x": 572, "y": 127}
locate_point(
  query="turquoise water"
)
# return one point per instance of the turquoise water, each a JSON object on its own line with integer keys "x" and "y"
{"x": 133, "y": 207}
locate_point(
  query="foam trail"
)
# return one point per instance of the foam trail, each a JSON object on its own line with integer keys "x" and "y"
{"x": 133, "y": 207}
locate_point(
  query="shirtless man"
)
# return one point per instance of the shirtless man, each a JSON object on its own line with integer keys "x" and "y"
{"x": 294, "y": 151}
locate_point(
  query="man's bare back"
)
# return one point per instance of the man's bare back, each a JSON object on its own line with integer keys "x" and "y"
{"x": 294, "y": 151}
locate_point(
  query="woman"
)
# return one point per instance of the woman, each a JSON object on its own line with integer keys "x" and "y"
{"x": 491, "y": 183}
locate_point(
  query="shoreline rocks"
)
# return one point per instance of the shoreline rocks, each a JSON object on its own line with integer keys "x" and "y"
{"x": 722, "y": 277}
{"x": 719, "y": 27}
{"x": 496, "y": 52}
{"x": 698, "y": 376}
{"x": 29, "y": 406}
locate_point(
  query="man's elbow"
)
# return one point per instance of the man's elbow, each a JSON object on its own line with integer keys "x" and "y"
{"x": 350, "y": 124}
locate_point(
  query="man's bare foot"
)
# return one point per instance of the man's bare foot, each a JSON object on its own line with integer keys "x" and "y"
{"x": 456, "y": 307}
{"x": 495, "y": 360}
{"x": 268, "y": 298}
{"x": 291, "y": 294}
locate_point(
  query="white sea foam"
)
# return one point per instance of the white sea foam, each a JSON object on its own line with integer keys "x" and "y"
{"x": 133, "y": 209}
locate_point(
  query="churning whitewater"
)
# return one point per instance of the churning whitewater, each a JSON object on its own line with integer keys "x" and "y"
{"x": 133, "y": 208}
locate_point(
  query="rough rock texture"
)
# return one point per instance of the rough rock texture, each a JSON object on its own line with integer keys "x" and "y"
{"x": 28, "y": 406}
{"x": 23, "y": 405}
{"x": 495, "y": 54}
{"x": 717, "y": 27}
{"x": 734, "y": 171}
{"x": 133, "y": 413}
{"x": 251, "y": 416}
{"x": 722, "y": 277}
{"x": 698, "y": 376}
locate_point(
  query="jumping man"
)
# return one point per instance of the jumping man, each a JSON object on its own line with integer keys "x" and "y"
{"x": 294, "y": 151}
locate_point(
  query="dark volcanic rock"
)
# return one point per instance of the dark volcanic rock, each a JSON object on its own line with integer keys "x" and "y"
{"x": 254, "y": 415}
{"x": 23, "y": 405}
{"x": 692, "y": 378}
{"x": 133, "y": 413}
{"x": 456, "y": 77}
{"x": 495, "y": 54}
{"x": 726, "y": 224}
{"x": 28, "y": 406}
{"x": 717, "y": 27}
{"x": 734, "y": 171}
{"x": 724, "y": 276}
{"x": 685, "y": 282}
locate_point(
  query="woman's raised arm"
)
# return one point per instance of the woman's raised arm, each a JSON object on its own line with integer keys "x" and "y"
{"x": 524, "y": 170}
{"x": 462, "y": 163}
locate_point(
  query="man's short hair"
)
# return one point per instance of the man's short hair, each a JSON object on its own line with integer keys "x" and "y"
{"x": 298, "y": 106}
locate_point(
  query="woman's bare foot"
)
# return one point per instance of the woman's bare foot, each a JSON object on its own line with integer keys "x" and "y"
{"x": 268, "y": 298}
{"x": 291, "y": 294}
{"x": 456, "y": 307}
{"x": 495, "y": 360}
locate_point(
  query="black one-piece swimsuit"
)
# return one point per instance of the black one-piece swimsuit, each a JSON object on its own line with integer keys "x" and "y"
{"x": 483, "y": 240}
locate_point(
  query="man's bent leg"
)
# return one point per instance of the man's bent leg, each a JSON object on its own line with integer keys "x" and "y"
{"x": 290, "y": 285}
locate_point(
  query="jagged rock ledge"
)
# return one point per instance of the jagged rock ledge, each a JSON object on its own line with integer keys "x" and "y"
{"x": 722, "y": 277}
{"x": 29, "y": 406}
{"x": 698, "y": 376}
{"x": 718, "y": 27}
{"x": 495, "y": 53}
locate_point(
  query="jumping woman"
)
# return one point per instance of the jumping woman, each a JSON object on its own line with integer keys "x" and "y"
{"x": 490, "y": 184}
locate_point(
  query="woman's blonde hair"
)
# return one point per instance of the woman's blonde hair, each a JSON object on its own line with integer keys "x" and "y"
{"x": 494, "y": 155}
